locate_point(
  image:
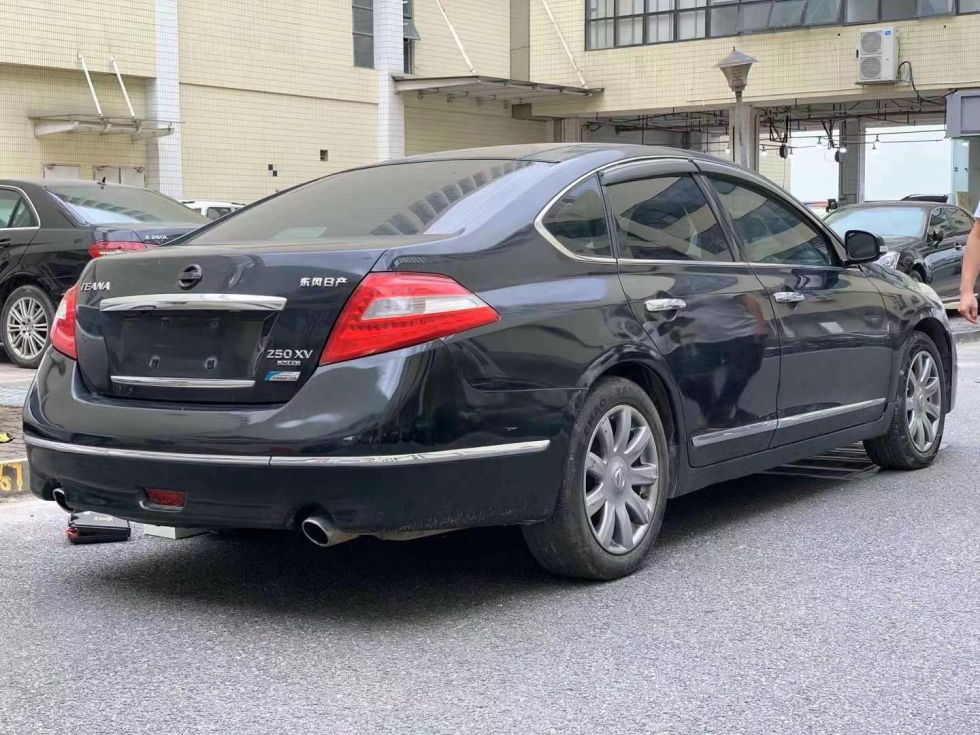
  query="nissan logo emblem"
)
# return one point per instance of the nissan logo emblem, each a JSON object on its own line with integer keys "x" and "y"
{"x": 190, "y": 276}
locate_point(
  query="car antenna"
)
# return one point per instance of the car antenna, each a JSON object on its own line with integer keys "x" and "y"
{"x": 102, "y": 182}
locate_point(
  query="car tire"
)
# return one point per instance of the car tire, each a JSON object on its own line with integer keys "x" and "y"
{"x": 573, "y": 543}
{"x": 904, "y": 446}
{"x": 26, "y": 325}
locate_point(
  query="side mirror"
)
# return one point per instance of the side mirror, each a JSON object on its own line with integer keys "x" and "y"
{"x": 936, "y": 236}
{"x": 862, "y": 247}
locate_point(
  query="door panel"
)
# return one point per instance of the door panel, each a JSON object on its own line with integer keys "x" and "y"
{"x": 836, "y": 359}
{"x": 708, "y": 315}
{"x": 942, "y": 257}
{"x": 18, "y": 226}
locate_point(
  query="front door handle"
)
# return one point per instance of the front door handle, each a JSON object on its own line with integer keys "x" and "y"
{"x": 789, "y": 297}
{"x": 655, "y": 305}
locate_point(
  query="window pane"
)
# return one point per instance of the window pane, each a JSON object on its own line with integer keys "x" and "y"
{"x": 724, "y": 21}
{"x": 363, "y": 21}
{"x": 962, "y": 222}
{"x": 629, "y": 7}
{"x": 861, "y": 10}
{"x": 970, "y": 6}
{"x": 660, "y": 28}
{"x": 770, "y": 231}
{"x": 786, "y": 14}
{"x": 937, "y": 220}
{"x": 897, "y": 9}
{"x": 935, "y": 7}
{"x": 8, "y": 200}
{"x": 630, "y": 31}
{"x": 601, "y": 34}
{"x": 754, "y": 17}
{"x": 819, "y": 12}
{"x": 578, "y": 221}
{"x": 666, "y": 219}
{"x": 887, "y": 221}
{"x": 24, "y": 216}
{"x": 682, "y": 4}
{"x": 690, "y": 24}
{"x": 658, "y": 6}
{"x": 364, "y": 51}
{"x": 600, "y": 8}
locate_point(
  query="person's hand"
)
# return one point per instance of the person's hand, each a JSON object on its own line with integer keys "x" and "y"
{"x": 968, "y": 307}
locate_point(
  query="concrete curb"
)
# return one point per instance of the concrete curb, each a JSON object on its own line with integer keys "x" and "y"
{"x": 971, "y": 336}
{"x": 14, "y": 478}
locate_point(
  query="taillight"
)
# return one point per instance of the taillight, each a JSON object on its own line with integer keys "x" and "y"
{"x": 392, "y": 310}
{"x": 114, "y": 247}
{"x": 63, "y": 329}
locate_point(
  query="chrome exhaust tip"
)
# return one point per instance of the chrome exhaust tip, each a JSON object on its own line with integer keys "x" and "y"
{"x": 62, "y": 500}
{"x": 320, "y": 530}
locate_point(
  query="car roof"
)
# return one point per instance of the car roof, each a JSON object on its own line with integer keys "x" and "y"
{"x": 909, "y": 203}
{"x": 555, "y": 152}
{"x": 73, "y": 182}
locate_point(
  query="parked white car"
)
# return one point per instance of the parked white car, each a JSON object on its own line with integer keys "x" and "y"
{"x": 212, "y": 209}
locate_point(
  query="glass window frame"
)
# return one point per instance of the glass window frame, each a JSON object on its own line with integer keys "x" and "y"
{"x": 595, "y": 180}
{"x": 365, "y": 5}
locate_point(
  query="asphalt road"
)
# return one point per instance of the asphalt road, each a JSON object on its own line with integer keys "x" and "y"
{"x": 771, "y": 605}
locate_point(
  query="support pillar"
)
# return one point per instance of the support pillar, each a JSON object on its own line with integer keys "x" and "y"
{"x": 851, "y": 170}
{"x": 164, "y": 170}
{"x": 388, "y": 60}
{"x": 750, "y": 137}
{"x": 568, "y": 130}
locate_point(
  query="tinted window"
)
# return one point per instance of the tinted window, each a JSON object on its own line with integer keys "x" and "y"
{"x": 666, "y": 218}
{"x": 428, "y": 197}
{"x": 578, "y": 220}
{"x": 962, "y": 222}
{"x": 889, "y": 221}
{"x": 23, "y": 215}
{"x": 938, "y": 221}
{"x": 216, "y": 212}
{"x": 100, "y": 205}
{"x": 770, "y": 230}
{"x": 8, "y": 202}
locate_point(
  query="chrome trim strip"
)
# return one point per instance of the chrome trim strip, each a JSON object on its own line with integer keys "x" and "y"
{"x": 379, "y": 460}
{"x": 181, "y": 457}
{"x": 740, "y": 432}
{"x": 655, "y": 305}
{"x": 803, "y": 418}
{"x": 402, "y": 460}
{"x": 194, "y": 302}
{"x": 181, "y": 382}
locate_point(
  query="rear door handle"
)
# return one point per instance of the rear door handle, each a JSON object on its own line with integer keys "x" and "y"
{"x": 655, "y": 305}
{"x": 789, "y": 297}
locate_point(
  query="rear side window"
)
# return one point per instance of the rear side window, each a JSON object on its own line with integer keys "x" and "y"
{"x": 578, "y": 221}
{"x": 769, "y": 229}
{"x": 666, "y": 218}
{"x": 15, "y": 211}
{"x": 103, "y": 205}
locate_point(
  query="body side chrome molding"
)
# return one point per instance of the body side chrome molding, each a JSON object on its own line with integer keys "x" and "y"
{"x": 378, "y": 460}
{"x": 740, "y": 432}
{"x": 219, "y": 383}
{"x": 194, "y": 302}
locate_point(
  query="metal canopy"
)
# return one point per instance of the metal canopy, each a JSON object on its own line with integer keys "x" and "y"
{"x": 87, "y": 123}
{"x": 487, "y": 89}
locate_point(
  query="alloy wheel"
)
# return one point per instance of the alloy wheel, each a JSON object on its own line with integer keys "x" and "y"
{"x": 621, "y": 479}
{"x": 923, "y": 401}
{"x": 26, "y": 330}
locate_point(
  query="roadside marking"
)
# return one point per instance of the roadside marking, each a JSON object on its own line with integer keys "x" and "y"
{"x": 12, "y": 474}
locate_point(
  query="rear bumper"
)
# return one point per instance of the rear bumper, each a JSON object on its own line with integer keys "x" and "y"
{"x": 393, "y": 442}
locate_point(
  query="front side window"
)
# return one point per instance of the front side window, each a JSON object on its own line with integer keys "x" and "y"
{"x": 962, "y": 222}
{"x": 938, "y": 221}
{"x": 578, "y": 221}
{"x": 769, "y": 229}
{"x": 363, "y": 33}
{"x": 666, "y": 218}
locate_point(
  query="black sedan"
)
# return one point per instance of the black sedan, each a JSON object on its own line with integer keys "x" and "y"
{"x": 560, "y": 337}
{"x": 49, "y": 230}
{"x": 923, "y": 239}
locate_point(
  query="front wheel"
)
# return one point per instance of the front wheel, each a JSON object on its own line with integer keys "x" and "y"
{"x": 26, "y": 318}
{"x": 614, "y": 488}
{"x": 916, "y": 431}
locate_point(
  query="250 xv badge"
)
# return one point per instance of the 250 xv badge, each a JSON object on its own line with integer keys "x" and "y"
{"x": 289, "y": 358}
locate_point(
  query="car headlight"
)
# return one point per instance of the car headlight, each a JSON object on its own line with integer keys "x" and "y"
{"x": 889, "y": 260}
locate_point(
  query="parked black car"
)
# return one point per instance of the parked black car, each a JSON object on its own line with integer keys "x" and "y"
{"x": 49, "y": 230}
{"x": 922, "y": 239}
{"x": 559, "y": 336}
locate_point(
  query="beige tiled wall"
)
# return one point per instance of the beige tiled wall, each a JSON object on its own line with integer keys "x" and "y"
{"x": 26, "y": 91}
{"x": 483, "y": 27}
{"x": 52, "y": 33}
{"x": 809, "y": 64}
{"x": 435, "y": 125}
{"x": 230, "y": 137}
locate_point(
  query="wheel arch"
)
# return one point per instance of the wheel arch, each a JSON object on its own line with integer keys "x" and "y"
{"x": 934, "y": 330}
{"x": 12, "y": 283}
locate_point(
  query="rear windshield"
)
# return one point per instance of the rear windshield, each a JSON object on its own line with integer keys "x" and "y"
{"x": 104, "y": 205}
{"x": 429, "y": 197}
{"x": 882, "y": 221}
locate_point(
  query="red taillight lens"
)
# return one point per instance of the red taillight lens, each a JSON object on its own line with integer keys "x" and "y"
{"x": 114, "y": 247}
{"x": 167, "y": 498}
{"x": 392, "y": 310}
{"x": 63, "y": 329}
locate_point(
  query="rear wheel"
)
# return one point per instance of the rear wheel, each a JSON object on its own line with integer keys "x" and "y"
{"x": 614, "y": 489}
{"x": 916, "y": 275}
{"x": 26, "y": 319}
{"x": 916, "y": 431}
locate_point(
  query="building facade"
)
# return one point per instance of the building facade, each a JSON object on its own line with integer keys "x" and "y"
{"x": 233, "y": 99}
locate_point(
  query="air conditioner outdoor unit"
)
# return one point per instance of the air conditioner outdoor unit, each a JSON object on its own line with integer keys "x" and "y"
{"x": 877, "y": 55}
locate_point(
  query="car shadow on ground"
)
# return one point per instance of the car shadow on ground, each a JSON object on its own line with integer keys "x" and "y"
{"x": 398, "y": 582}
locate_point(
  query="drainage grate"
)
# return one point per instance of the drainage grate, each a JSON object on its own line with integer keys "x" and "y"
{"x": 846, "y": 463}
